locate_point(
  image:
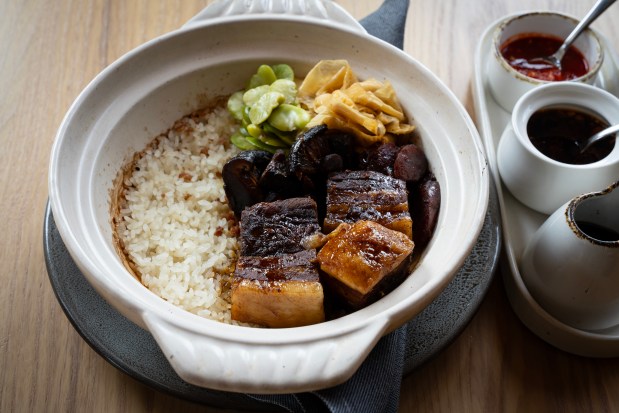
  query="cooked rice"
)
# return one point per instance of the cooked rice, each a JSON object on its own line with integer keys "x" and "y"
{"x": 174, "y": 223}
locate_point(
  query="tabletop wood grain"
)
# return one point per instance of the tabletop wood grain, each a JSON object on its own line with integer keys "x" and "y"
{"x": 50, "y": 50}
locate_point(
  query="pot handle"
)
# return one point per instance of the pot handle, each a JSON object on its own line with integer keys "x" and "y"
{"x": 223, "y": 364}
{"x": 323, "y": 10}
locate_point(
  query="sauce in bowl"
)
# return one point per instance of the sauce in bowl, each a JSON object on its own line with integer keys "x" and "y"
{"x": 521, "y": 51}
{"x": 560, "y": 132}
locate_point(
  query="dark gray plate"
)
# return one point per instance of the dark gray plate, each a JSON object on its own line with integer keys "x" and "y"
{"x": 134, "y": 351}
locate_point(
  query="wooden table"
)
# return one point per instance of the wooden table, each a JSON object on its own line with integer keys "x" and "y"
{"x": 50, "y": 50}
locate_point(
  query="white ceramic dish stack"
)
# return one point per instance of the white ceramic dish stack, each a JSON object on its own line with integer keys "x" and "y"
{"x": 520, "y": 222}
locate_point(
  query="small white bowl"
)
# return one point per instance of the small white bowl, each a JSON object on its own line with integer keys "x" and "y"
{"x": 538, "y": 181}
{"x": 506, "y": 84}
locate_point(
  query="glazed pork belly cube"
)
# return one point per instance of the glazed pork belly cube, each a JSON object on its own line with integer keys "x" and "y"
{"x": 276, "y": 281}
{"x": 278, "y": 291}
{"x": 278, "y": 227}
{"x": 364, "y": 261}
{"x": 370, "y": 196}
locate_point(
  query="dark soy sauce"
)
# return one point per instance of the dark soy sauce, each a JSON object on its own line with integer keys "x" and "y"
{"x": 598, "y": 232}
{"x": 560, "y": 133}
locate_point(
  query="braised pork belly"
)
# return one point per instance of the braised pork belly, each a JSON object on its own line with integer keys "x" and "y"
{"x": 278, "y": 227}
{"x": 364, "y": 261}
{"x": 276, "y": 281}
{"x": 278, "y": 291}
{"x": 367, "y": 195}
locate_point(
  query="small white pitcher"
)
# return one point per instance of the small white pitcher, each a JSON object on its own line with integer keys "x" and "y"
{"x": 571, "y": 268}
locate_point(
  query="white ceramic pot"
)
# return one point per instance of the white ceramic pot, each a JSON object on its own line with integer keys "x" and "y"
{"x": 506, "y": 84}
{"x": 542, "y": 183}
{"x": 145, "y": 91}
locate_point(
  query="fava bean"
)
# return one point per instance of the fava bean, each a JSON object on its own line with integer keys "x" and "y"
{"x": 246, "y": 121}
{"x": 289, "y": 138}
{"x": 267, "y": 110}
{"x": 264, "y": 76}
{"x": 235, "y": 105}
{"x": 252, "y": 96}
{"x": 287, "y": 88}
{"x": 288, "y": 117}
{"x": 254, "y": 130}
{"x": 241, "y": 142}
{"x": 261, "y": 110}
{"x": 283, "y": 71}
{"x": 261, "y": 145}
{"x": 272, "y": 140}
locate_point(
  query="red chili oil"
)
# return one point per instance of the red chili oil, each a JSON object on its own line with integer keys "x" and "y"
{"x": 521, "y": 50}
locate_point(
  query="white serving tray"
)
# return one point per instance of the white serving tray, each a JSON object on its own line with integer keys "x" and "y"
{"x": 520, "y": 222}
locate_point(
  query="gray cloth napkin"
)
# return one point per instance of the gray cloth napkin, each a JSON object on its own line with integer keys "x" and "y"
{"x": 375, "y": 387}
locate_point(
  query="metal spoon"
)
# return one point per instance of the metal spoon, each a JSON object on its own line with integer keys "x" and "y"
{"x": 555, "y": 58}
{"x": 599, "y": 136}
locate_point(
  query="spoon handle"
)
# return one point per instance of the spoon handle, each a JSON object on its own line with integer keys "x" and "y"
{"x": 593, "y": 14}
{"x": 601, "y": 134}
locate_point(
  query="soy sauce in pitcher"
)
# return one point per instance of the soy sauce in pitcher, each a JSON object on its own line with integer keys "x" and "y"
{"x": 598, "y": 232}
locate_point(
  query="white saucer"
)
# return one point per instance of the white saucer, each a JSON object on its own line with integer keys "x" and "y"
{"x": 520, "y": 223}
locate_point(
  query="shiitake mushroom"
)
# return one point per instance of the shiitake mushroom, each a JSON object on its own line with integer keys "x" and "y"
{"x": 342, "y": 144}
{"x": 333, "y": 162}
{"x": 241, "y": 176}
{"x": 277, "y": 180}
{"x": 318, "y": 152}
{"x": 306, "y": 155}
